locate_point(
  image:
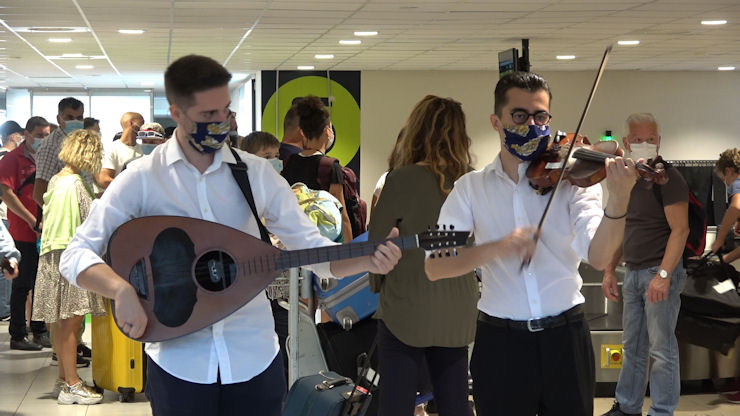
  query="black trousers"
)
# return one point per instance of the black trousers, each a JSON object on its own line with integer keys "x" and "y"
{"x": 170, "y": 396}
{"x": 19, "y": 292}
{"x": 522, "y": 373}
{"x": 401, "y": 370}
{"x": 280, "y": 315}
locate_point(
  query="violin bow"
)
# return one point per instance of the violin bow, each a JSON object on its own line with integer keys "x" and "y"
{"x": 570, "y": 149}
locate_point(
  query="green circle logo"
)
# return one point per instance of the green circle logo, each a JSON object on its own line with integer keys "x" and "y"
{"x": 345, "y": 112}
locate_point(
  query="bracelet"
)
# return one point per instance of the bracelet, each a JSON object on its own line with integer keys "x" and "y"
{"x": 614, "y": 218}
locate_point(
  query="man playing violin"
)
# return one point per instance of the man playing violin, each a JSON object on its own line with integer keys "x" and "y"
{"x": 532, "y": 351}
{"x": 654, "y": 238}
{"x": 232, "y": 366}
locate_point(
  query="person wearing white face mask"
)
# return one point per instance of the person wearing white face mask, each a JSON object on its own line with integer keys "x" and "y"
{"x": 654, "y": 238}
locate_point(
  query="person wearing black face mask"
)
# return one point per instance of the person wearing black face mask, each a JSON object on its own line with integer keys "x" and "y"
{"x": 532, "y": 346}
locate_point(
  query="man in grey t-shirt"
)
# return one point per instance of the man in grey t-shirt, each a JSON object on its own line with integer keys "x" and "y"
{"x": 654, "y": 238}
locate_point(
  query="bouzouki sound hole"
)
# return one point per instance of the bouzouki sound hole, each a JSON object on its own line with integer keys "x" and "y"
{"x": 215, "y": 271}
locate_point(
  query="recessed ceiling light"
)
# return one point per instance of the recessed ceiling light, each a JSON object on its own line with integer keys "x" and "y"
{"x": 368, "y": 33}
{"x": 726, "y": 68}
{"x": 60, "y": 40}
{"x": 713, "y": 22}
{"x": 84, "y": 66}
{"x": 324, "y": 56}
{"x": 350, "y": 42}
{"x": 628, "y": 42}
{"x": 131, "y": 31}
{"x": 147, "y": 84}
{"x": 72, "y": 55}
{"x": 305, "y": 67}
{"x": 565, "y": 57}
{"x": 47, "y": 29}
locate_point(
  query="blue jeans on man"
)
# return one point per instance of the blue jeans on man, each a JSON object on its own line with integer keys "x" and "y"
{"x": 649, "y": 332}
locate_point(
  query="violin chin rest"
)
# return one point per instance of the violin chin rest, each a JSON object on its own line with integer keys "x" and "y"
{"x": 606, "y": 146}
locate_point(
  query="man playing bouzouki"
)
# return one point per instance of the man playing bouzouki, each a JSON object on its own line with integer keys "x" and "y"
{"x": 234, "y": 362}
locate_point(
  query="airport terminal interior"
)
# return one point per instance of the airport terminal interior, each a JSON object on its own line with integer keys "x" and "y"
{"x": 369, "y": 62}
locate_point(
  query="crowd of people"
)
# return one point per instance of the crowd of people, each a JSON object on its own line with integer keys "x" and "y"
{"x": 524, "y": 311}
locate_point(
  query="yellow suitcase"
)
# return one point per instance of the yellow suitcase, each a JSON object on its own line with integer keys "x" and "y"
{"x": 118, "y": 362}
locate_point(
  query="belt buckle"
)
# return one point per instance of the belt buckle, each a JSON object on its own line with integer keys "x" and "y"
{"x": 535, "y": 328}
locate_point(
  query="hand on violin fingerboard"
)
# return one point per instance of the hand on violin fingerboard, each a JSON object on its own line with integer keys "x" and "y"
{"x": 620, "y": 178}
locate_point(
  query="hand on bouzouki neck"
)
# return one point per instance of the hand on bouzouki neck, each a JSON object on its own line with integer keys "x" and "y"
{"x": 386, "y": 256}
{"x": 129, "y": 311}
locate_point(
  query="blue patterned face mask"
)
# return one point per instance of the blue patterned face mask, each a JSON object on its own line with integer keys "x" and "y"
{"x": 209, "y": 136}
{"x": 525, "y": 142}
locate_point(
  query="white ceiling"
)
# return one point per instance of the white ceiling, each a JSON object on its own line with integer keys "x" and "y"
{"x": 413, "y": 35}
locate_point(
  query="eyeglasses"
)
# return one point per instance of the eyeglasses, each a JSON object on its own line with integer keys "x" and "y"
{"x": 520, "y": 116}
{"x": 148, "y": 134}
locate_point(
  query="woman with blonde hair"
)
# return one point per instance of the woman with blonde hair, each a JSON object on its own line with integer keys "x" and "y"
{"x": 423, "y": 323}
{"x": 66, "y": 205}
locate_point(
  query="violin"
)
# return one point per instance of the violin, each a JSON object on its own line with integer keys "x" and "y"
{"x": 586, "y": 165}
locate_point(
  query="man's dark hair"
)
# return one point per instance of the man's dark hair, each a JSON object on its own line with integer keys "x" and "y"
{"x": 257, "y": 140}
{"x": 291, "y": 120}
{"x": 34, "y": 122}
{"x": 70, "y": 102}
{"x": 169, "y": 131}
{"x": 527, "y": 81}
{"x": 314, "y": 116}
{"x": 89, "y": 122}
{"x": 191, "y": 74}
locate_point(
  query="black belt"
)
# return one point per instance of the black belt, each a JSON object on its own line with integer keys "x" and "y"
{"x": 574, "y": 314}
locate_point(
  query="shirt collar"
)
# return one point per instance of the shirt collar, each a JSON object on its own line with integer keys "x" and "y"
{"x": 498, "y": 168}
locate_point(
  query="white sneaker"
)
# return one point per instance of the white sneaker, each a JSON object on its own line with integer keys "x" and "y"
{"x": 79, "y": 393}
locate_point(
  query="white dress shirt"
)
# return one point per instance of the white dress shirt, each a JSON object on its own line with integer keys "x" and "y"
{"x": 243, "y": 344}
{"x": 490, "y": 204}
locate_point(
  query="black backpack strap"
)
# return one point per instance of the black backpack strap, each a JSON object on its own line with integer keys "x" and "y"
{"x": 658, "y": 193}
{"x": 239, "y": 170}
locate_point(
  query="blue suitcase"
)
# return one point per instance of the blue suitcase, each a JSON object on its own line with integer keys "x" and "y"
{"x": 347, "y": 300}
{"x": 326, "y": 394}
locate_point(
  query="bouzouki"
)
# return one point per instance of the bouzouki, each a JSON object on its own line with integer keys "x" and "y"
{"x": 190, "y": 273}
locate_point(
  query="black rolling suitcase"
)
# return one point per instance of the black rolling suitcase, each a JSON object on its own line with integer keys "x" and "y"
{"x": 331, "y": 394}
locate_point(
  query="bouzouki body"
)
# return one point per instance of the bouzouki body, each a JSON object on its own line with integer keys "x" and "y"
{"x": 189, "y": 273}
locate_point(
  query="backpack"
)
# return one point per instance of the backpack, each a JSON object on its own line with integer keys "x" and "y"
{"x": 697, "y": 239}
{"x": 322, "y": 209}
{"x": 355, "y": 206}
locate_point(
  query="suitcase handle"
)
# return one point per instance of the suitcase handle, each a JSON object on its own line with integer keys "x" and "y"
{"x": 331, "y": 382}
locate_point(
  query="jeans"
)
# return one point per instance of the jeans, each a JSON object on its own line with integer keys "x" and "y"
{"x": 650, "y": 332}
{"x": 5, "y": 286}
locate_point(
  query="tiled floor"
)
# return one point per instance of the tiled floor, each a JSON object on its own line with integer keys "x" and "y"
{"x": 26, "y": 380}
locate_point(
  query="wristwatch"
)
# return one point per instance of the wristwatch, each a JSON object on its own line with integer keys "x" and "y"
{"x": 663, "y": 273}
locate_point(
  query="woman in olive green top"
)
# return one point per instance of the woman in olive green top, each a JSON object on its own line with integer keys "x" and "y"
{"x": 423, "y": 322}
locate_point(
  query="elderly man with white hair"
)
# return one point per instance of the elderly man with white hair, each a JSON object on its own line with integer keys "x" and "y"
{"x": 655, "y": 234}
